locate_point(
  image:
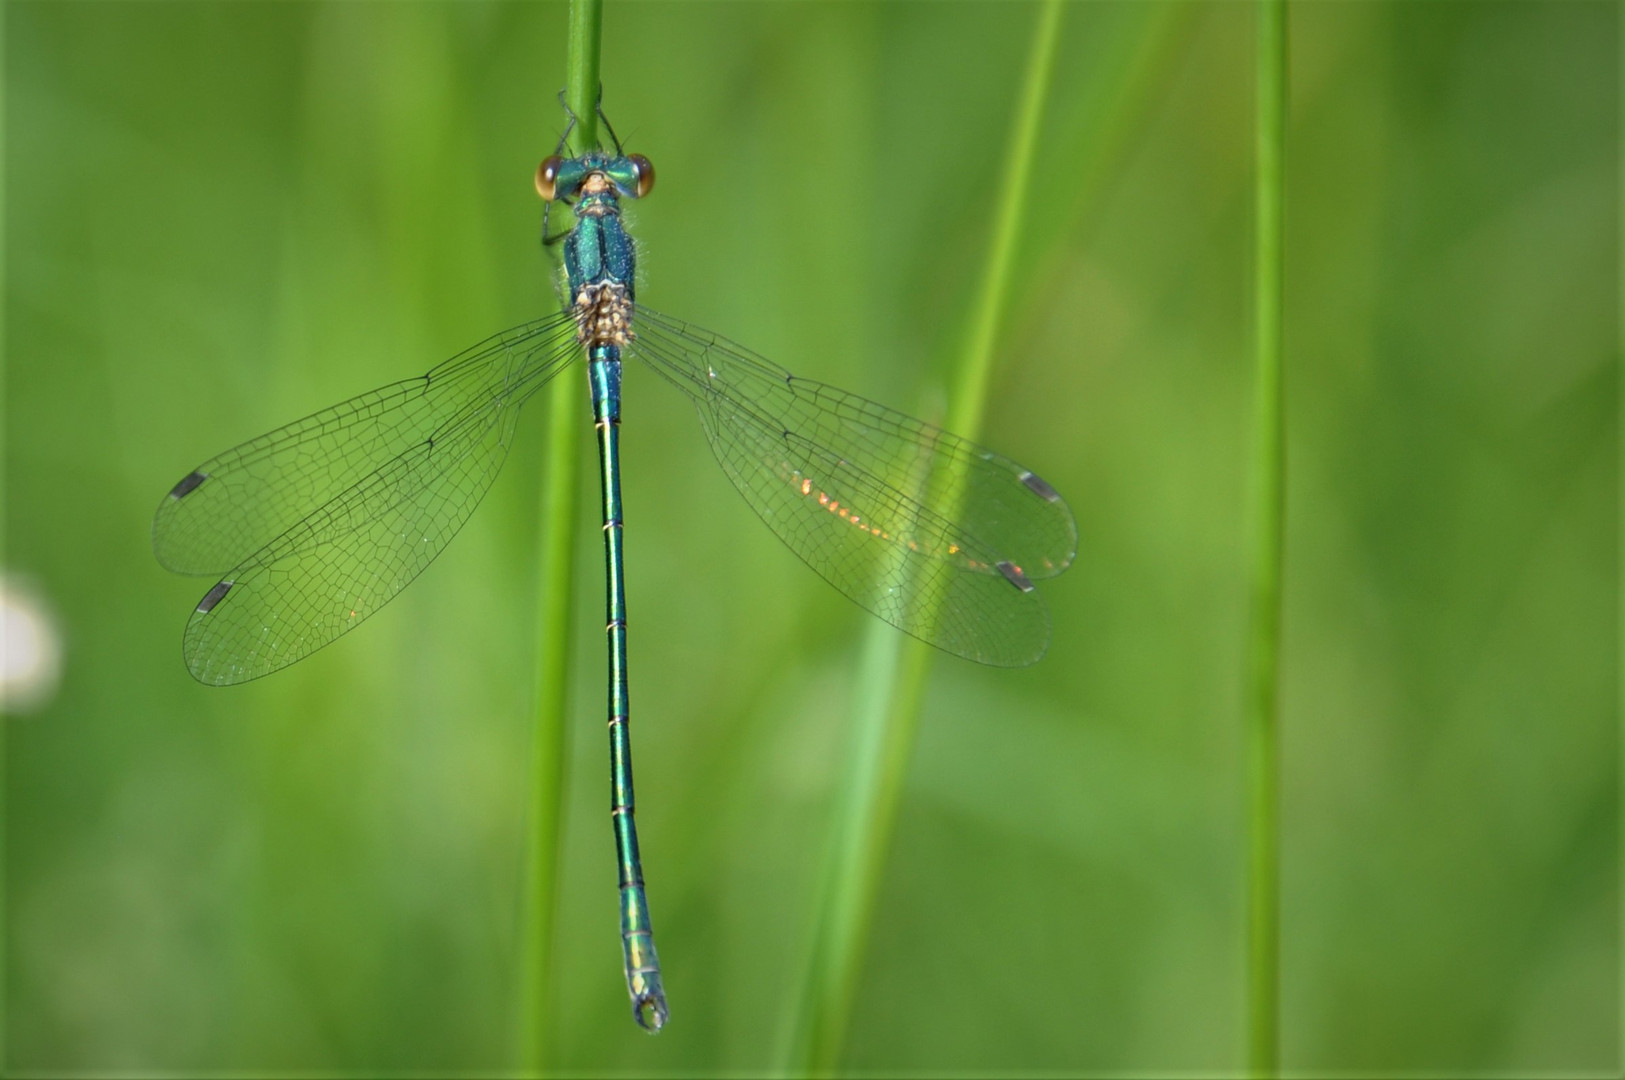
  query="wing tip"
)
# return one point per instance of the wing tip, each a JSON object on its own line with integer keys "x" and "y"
{"x": 188, "y": 484}
{"x": 1012, "y": 573}
{"x": 1039, "y": 486}
{"x": 214, "y": 596}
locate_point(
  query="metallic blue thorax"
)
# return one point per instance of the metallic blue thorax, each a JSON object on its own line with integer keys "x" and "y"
{"x": 598, "y": 250}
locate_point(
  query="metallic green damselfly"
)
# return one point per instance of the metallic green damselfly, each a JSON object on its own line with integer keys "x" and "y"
{"x": 313, "y": 527}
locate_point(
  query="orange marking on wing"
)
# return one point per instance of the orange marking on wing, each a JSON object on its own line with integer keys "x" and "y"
{"x": 847, "y": 514}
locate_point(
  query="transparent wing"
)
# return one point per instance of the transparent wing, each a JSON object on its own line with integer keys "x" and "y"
{"x": 428, "y": 451}
{"x": 238, "y": 501}
{"x": 932, "y": 533}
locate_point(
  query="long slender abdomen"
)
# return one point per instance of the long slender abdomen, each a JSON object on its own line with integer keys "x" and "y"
{"x": 637, "y": 930}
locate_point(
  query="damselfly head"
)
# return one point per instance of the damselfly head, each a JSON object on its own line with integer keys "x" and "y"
{"x": 595, "y": 173}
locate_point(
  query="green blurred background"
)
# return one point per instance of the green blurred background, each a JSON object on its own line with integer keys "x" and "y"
{"x": 223, "y": 216}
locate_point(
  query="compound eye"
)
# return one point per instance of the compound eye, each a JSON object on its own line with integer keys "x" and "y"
{"x": 645, "y": 171}
{"x": 547, "y": 178}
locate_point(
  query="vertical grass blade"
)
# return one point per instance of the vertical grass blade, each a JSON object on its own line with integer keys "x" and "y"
{"x": 555, "y": 603}
{"x": 891, "y": 679}
{"x": 1619, "y": 505}
{"x": 1264, "y": 637}
{"x": 968, "y": 399}
{"x": 581, "y": 70}
{"x": 5, "y": 791}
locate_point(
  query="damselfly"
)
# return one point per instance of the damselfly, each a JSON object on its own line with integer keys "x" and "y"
{"x": 315, "y": 526}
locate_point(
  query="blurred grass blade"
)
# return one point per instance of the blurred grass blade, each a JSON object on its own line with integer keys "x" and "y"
{"x": 559, "y": 518}
{"x": 1264, "y": 646}
{"x": 892, "y": 675}
{"x": 1129, "y": 70}
{"x": 5, "y": 939}
{"x": 1619, "y": 511}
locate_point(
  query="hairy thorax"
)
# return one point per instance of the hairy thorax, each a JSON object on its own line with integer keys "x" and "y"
{"x": 603, "y": 314}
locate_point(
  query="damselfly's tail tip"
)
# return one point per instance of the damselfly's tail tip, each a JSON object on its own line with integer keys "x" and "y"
{"x": 649, "y": 1010}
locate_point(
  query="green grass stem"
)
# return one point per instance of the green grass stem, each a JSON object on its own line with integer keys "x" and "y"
{"x": 5, "y": 939}
{"x": 892, "y": 673}
{"x": 967, "y": 401}
{"x": 581, "y": 70}
{"x": 561, "y": 488}
{"x": 1619, "y": 507}
{"x": 1264, "y": 637}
